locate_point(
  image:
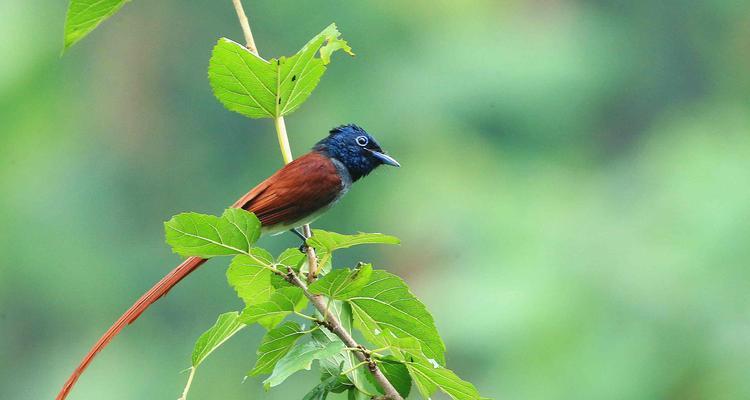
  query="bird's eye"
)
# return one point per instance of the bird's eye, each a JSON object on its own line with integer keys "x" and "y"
{"x": 362, "y": 140}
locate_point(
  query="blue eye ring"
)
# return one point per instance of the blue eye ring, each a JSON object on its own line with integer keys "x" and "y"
{"x": 362, "y": 140}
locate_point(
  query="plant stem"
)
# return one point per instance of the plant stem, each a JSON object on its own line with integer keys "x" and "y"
{"x": 280, "y": 125}
{"x": 189, "y": 383}
{"x": 286, "y": 149}
{"x": 305, "y": 316}
{"x": 334, "y": 325}
{"x": 245, "y": 26}
{"x": 350, "y": 370}
{"x": 331, "y": 322}
{"x": 312, "y": 259}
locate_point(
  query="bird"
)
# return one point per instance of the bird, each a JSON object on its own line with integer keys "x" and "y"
{"x": 293, "y": 196}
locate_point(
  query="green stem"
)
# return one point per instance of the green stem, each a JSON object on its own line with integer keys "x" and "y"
{"x": 347, "y": 372}
{"x": 305, "y": 316}
{"x": 286, "y": 150}
{"x": 311, "y": 330}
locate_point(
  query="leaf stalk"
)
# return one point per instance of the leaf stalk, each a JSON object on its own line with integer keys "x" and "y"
{"x": 245, "y": 24}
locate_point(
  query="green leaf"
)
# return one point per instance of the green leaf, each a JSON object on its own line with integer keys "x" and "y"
{"x": 401, "y": 347}
{"x": 329, "y": 385}
{"x": 289, "y": 258}
{"x": 206, "y": 236}
{"x": 281, "y": 303}
{"x": 85, "y": 15}
{"x": 341, "y": 284}
{"x": 299, "y": 358}
{"x": 275, "y": 345}
{"x": 252, "y": 86}
{"x": 327, "y": 242}
{"x": 279, "y": 282}
{"x": 386, "y": 303}
{"x": 253, "y": 281}
{"x": 397, "y": 374}
{"x": 342, "y": 382}
{"x": 429, "y": 378}
{"x": 292, "y": 257}
{"x": 250, "y": 276}
{"x": 346, "y": 360}
{"x": 226, "y": 326}
{"x": 355, "y": 394}
{"x": 324, "y": 266}
{"x": 330, "y": 241}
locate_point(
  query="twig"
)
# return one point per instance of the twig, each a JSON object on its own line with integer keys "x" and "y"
{"x": 330, "y": 320}
{"x": 334, "y": 325}
{"x": 189, "y": 383}
{"x": 312, "y": 259}
{"x": 245, "y": 26}
{"x": 305, "y": 316}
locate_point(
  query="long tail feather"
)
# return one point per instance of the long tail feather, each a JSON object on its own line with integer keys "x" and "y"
{"x": 156, "y": 292}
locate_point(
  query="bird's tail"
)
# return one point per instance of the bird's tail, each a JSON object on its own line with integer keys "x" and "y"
{"x": 156, "y": 292}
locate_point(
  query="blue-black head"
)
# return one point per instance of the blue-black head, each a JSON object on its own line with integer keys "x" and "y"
{"x": 356, "y": 149}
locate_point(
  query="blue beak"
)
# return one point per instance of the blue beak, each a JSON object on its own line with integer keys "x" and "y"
{"x": 385, "y": 158}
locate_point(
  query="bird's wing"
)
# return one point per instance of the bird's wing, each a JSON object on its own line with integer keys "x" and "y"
{"x": 301, "y": 188}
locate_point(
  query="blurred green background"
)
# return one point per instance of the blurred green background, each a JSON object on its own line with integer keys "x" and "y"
{"x": 574, "y": 201}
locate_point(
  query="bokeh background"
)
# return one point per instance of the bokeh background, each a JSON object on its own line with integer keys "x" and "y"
{"x": 574, "y": 201}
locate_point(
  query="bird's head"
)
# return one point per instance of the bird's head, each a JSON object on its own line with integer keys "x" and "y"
{"x": 356, "y": 149}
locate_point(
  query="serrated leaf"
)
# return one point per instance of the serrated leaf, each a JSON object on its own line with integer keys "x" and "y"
{"x": 331, "y": 241}
{"x": 206, "y": 236}
{"x": 242, "y": 81}
{"x": 325, "y": 243}
{"x": 320, "y": 392}
{"x": 346, "y": 360}
{"x": 429, "y": 378}
{"x": 85, "y": 15}
{"x": 281, "y": 303}
{"x": 291, "y": 257}
{"x": 355, "y": 394}
{"x": 341, "y": 284}
{"x": 253, "y": 281}
{"x": 385, "y": 303}
{"x": 275, "y": 345}
{"x": 396, "y": 373}
{"x": 225, "y": 327}
{"x": 401, "y": 347}
{"x": 279, "y": 282}
{"x": 324, "y": 265}
{"x": 342, "y": 382}
{"x": 299, "y": 358}
{"x": 250, "y": 277}
{"x": 252, "y": 86}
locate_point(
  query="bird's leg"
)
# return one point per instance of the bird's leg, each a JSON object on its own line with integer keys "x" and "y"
{"x": 303, "y": 247}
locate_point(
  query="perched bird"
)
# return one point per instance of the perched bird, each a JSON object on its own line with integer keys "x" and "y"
{"x": 295, "y": 195}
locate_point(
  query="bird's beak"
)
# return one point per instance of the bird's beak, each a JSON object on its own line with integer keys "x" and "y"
{"x": 385, "y": 158}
